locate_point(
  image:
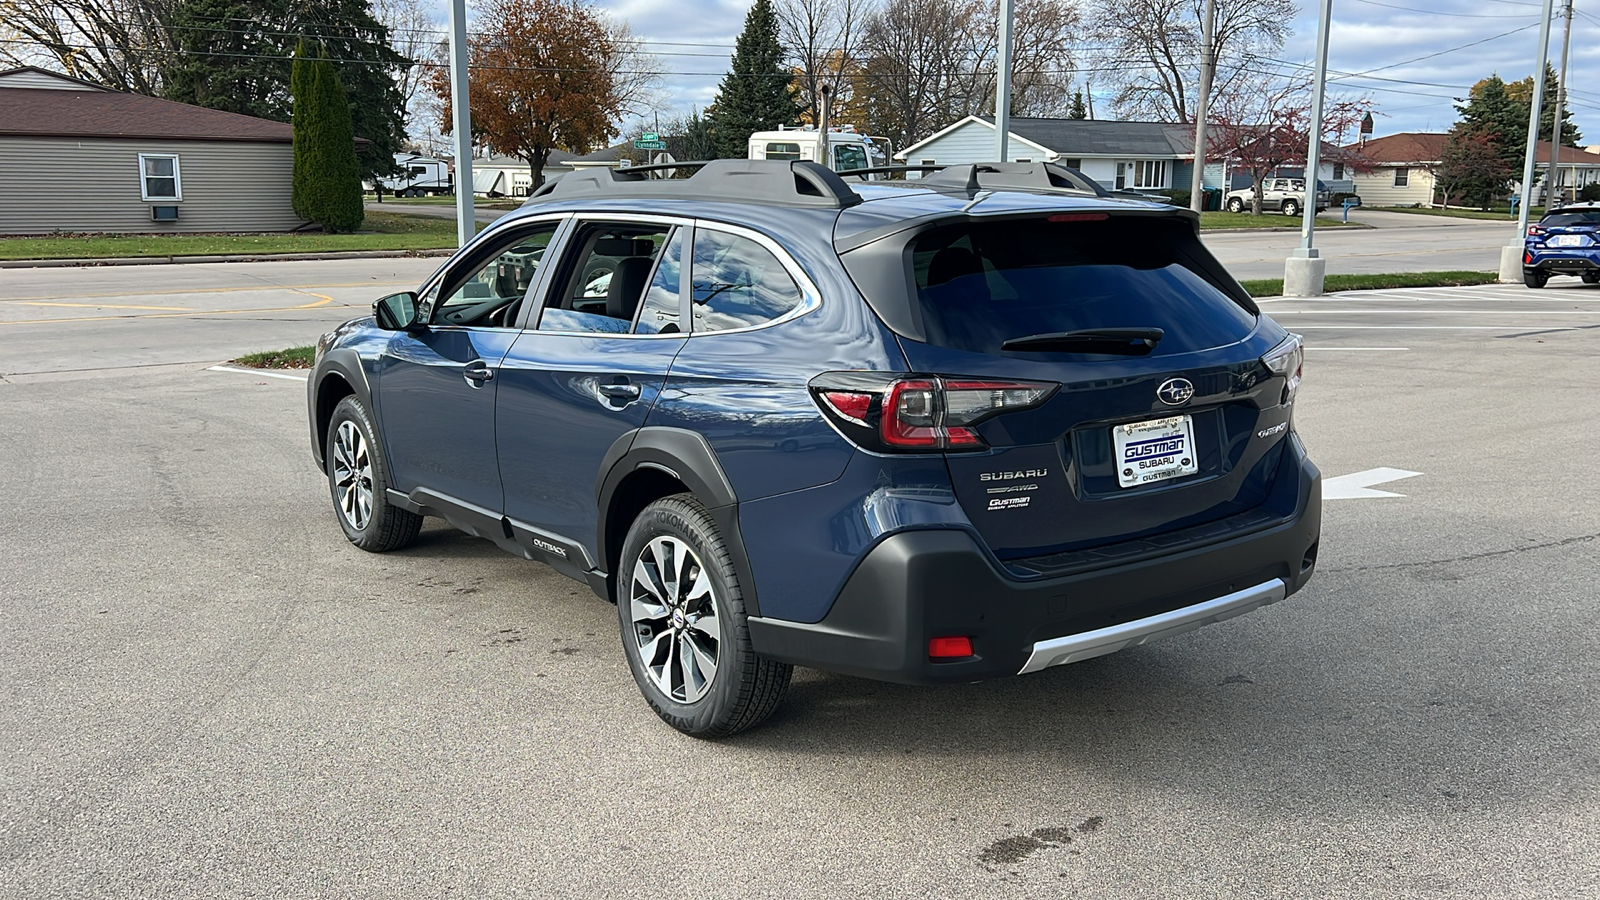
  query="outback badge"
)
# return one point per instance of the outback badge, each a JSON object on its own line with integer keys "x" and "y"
{"x": 1175, "y": 391}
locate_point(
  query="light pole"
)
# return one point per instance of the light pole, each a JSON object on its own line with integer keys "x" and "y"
{"x": 1511, "y": 254}
{"x": 1002, "y": 87}
{"x": 461, "y": 118}
{"x": 1304, "y": 270}
{"x": 1208, "y": 68}
{"x": 1554, "y": 177}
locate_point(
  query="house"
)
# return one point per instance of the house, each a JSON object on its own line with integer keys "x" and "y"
{"x": 1142, "y": 156}
{"x": 507, "y": 176}
{"x": 102, "y": 160}
{"x": 1404, "y": 166}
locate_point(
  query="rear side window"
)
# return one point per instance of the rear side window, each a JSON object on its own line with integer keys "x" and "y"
{"x": 980, "y": 284}
{"x": 738, "y": 283}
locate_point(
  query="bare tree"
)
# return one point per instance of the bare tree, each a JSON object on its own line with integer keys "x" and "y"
{"x": 121, "y": 44}
{"x": 823, "y": 38}
{"x": 1153, "y": 51}
{"x": 413, "y": 35}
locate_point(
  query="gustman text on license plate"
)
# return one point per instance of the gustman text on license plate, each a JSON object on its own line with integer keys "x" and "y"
{"x": 1155, "y": 450}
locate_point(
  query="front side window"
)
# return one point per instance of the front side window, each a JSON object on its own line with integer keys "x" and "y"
{"x": 738, "y": 283}
{"x": 604, "y": 277}
{"x": 489, "y": 292}
{"x": 159, "y": 178}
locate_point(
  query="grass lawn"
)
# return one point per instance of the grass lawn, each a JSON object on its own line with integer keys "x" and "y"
{"x": 292, "y": 358}
{"x": 1495, "y": 215}
{"x": 1213, "y": 220}
{"x": 380, "y": 231}
{"x": 1273, "y": 287}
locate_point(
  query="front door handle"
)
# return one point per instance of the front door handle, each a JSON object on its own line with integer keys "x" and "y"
{"x": 620, "y": 389}
{"x": 477, "y": 373}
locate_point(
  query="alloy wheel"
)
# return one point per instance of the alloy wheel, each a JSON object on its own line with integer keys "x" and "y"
{"x": 673, "y": 610}
{"x": 352, "y": 475}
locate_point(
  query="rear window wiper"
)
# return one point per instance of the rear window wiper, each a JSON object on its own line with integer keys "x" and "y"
{"x": 1125, "y": 341}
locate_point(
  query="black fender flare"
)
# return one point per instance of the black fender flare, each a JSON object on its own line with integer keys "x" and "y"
{"x": 346, "y": 364}
{"x": 688, "y": 457}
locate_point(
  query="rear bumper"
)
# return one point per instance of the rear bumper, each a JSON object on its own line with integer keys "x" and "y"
{"x": 917, "y": 585}
{"x": 1573, "y": 262}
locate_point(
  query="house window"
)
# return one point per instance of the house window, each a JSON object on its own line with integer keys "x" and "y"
{"x": 1402, "y": 176}
{"x": 1338, "y": 171}
{"x": 159, "y": 178}
{"x": 1150, "y": 173}
{"x": 1024, "y": 159}
{"x": 1072, "y": 163}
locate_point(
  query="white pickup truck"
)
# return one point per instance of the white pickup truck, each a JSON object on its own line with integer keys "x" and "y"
{"x": 1285, "y": 195}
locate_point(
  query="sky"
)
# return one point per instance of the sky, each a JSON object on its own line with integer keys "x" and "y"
{"x": 1418, "y": 56}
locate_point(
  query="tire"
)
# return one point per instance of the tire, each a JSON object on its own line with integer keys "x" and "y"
{"x": 1291, "y": 208}
{"x": 1235, "y": 205}
{"x": 701, "y": 611}
{"x": 358, "y": 475}
{"x": 1590, "y": 277}
{"x": 1534, "y": 278}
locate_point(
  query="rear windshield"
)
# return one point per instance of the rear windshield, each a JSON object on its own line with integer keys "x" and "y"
{"x": 981, "y": 284}
{"x": 1562, "y": 220}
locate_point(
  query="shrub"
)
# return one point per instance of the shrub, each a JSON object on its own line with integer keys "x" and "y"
{"x": 1590, "y": 193}
{"x": 1179, "y": 197}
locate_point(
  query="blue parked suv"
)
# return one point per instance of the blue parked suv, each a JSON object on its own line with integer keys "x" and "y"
{"x": 929, "y": 431}
{"x": 1565, "y": 242}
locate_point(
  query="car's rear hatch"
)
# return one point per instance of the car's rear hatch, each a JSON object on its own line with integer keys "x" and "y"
{"x": 1568, "y": 230}
{"x": 1165, "y": 417}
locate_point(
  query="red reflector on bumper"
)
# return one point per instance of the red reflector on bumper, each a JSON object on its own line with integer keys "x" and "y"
{"x": 949, "y": 647}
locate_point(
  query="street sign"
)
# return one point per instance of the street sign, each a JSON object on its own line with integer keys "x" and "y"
{"x": 649, "y": 136}
{"x": 644, "y": 144}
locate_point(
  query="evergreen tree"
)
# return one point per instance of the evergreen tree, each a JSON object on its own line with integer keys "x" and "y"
{"x": 236, "y": 55}
{"x": 1500, "y": 111}
{"x": 336, "y": 203}
{"x": 698, "y": 142}
{"x": 758, "y": 92}
{"x": 1522, "y": 93}
{"x": 1078, "y": 111}
{"x": 304, "y": 109}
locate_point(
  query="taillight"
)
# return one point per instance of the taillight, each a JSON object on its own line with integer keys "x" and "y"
{"x": 909, "y": 413}
{"x": 1287, "y": 359}
{"x": 1535, "y": 230}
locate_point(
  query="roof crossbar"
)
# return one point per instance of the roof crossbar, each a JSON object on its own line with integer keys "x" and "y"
{"x": 783, "y": 182}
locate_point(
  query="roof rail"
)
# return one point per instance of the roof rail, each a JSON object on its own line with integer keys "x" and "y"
{"x": 1020, "y": 176}
{"x": 784, "y": 182}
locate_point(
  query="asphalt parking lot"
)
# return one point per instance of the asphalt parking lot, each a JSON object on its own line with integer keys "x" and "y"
{"x": 210, "y": 693}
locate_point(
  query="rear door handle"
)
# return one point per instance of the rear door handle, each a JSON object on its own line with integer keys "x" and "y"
{"x": 477, "y": 373}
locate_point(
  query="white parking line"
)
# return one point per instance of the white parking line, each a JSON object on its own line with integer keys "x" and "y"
{"x": 1358, "y": 349}
{"x": 262, "y": 372}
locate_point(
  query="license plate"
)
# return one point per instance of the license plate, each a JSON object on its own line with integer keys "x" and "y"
{"x": 1567, "y": 240}
{"x": 1154, "y": 450}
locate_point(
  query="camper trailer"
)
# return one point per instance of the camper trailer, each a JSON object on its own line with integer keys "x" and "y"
{"x": 420, "y": 176}
{"x": 848, "y": 149}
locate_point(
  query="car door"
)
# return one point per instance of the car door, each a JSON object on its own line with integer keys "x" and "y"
{"x": 438, "y": 381}
{"x": 587, "y": 372}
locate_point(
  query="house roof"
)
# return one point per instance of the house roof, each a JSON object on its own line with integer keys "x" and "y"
{"x": 112, "y": 114}
{"x": 1427, "y": 148}
{"x": 1103, "y": 137}
{"x": 66, "y": 82}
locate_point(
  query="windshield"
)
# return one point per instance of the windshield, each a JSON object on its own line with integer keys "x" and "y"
{"x": 981, "y": 284}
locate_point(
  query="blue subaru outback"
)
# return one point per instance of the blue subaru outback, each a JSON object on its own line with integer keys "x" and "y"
{"x": 938, "y": 430}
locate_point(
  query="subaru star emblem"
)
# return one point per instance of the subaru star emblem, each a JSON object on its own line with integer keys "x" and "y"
{"x": 1175, "y": 391}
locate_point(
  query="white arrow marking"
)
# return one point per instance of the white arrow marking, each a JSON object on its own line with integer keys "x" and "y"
{"x": 1358, "y": 486}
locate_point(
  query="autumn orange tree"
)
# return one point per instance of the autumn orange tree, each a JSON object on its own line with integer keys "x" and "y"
{"x": 546, "y": 75}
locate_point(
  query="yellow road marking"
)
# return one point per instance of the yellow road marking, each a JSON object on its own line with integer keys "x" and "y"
{"x": 323, "y": 301}
{"x": 99, "y": 305}
{"x": 299, "y": 288}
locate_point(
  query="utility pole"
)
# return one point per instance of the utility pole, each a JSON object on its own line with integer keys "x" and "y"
{"x": 824, "y": 113}
{"x": 1002, "y": 86}
{"x": 1303, "y": 272}
{"x": 1208, "y": 71}
{"x": 1511, "y": 254}
{"x": 1554, "y": 176}
{"x": 461, "y": 118}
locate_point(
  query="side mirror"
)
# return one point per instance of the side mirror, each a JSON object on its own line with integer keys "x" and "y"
{"x": 396, "y": 312}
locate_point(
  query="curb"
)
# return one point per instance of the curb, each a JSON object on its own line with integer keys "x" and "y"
{"x": 1352, "y": 226}
{"x": 240, "y": 257}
